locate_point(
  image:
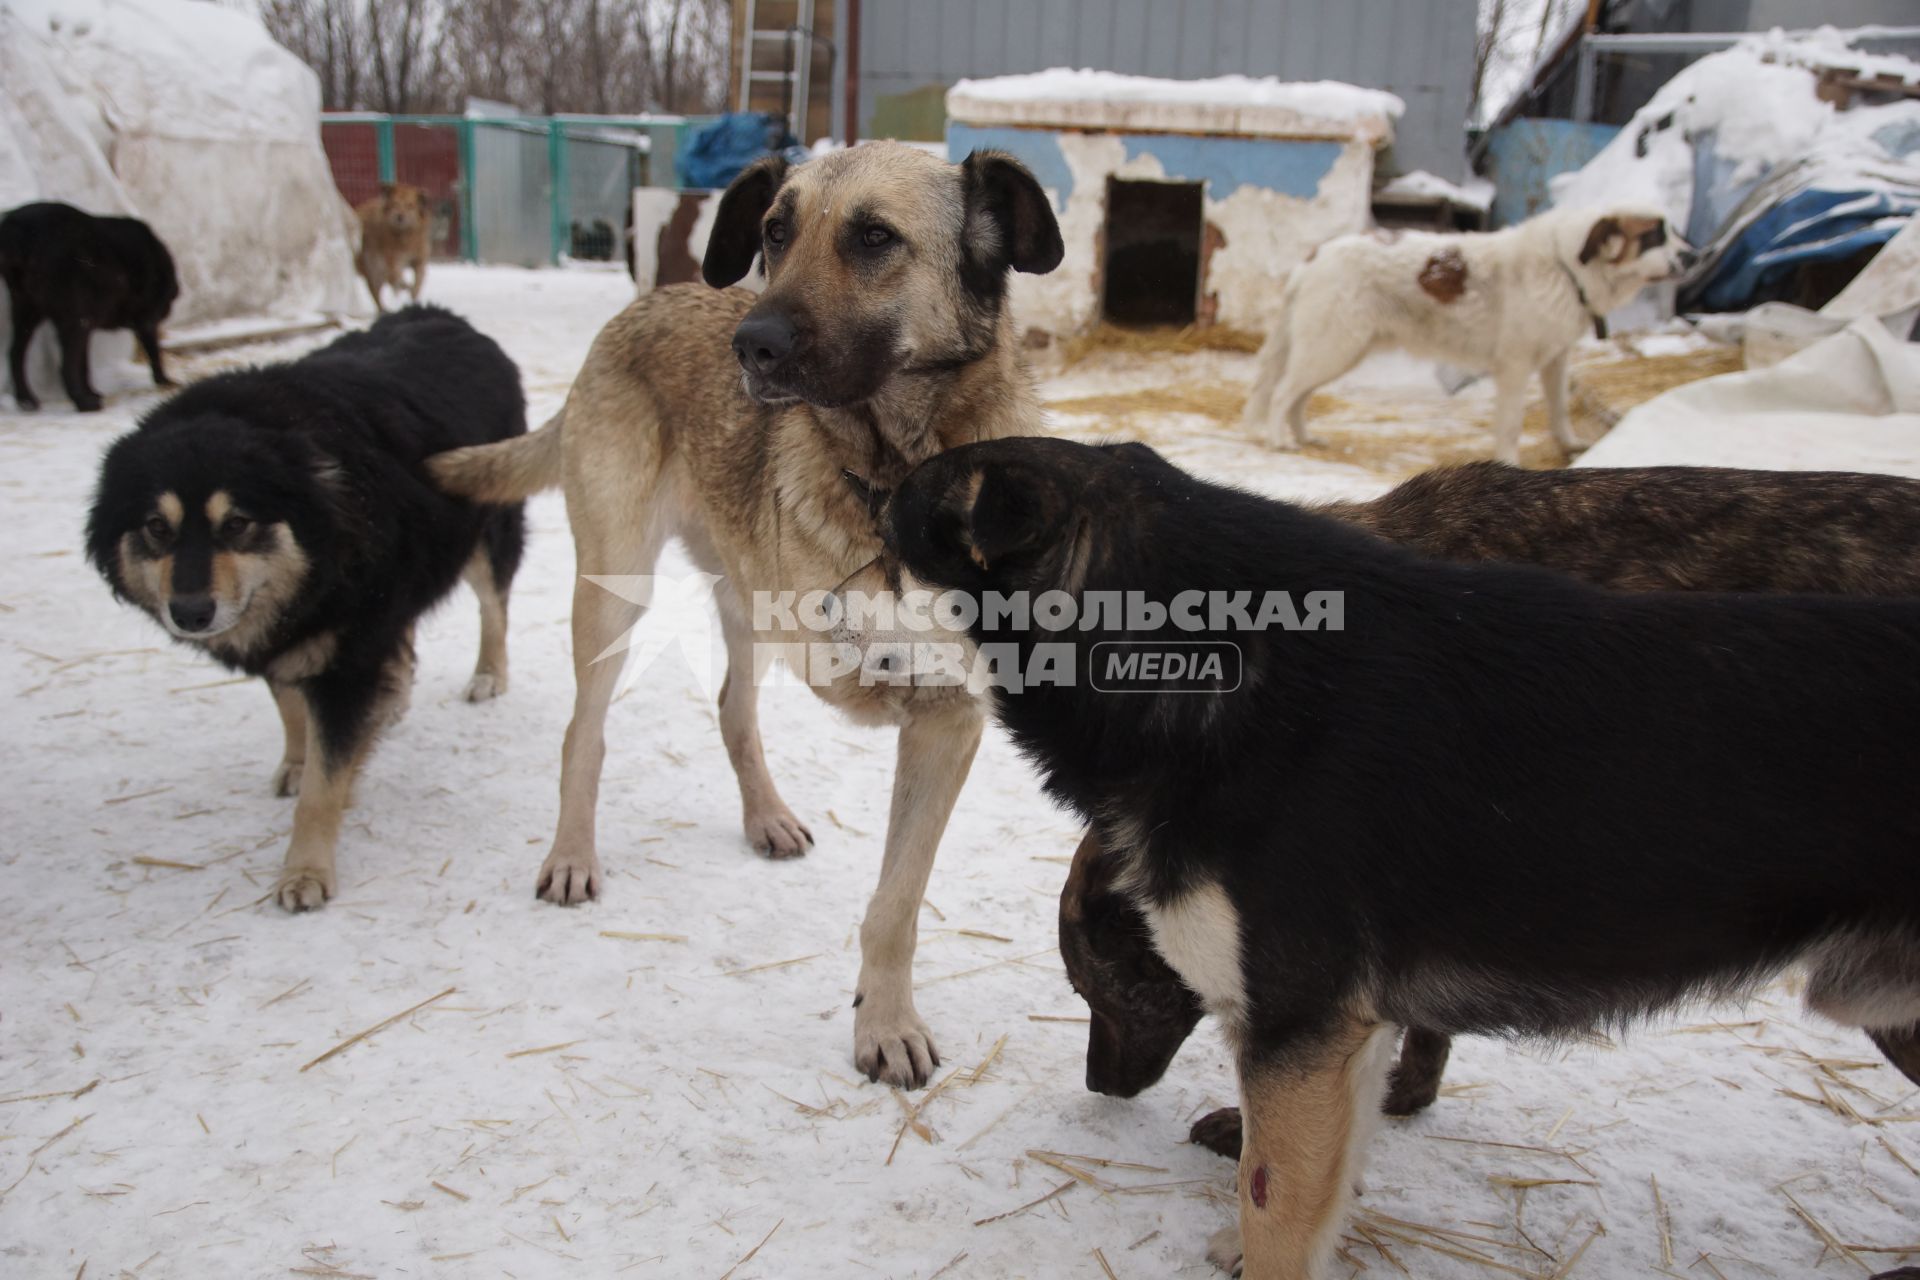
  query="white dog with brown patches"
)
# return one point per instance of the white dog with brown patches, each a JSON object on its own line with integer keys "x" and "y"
{"x": 1504, "y": 302}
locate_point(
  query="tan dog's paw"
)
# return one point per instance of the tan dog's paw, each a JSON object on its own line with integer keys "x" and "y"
{"x": 776, "y": 833}
{"x": 286, "y": 778}
{"x": 485, "y": 686}
{"x": 304, "y": 888}
{"x": 568, "y": 879}
{"x": 896, "y": 1051}
{"x": 1224, "y": 1251}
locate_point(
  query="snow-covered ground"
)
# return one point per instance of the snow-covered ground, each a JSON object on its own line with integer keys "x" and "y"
{"x": 588, "y": 1098}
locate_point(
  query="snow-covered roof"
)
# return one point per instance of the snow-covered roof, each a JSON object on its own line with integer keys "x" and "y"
{"x": 1474, "y": 193}
{"x": 1758, "y": 100}
{"x": 1268, "y": 107}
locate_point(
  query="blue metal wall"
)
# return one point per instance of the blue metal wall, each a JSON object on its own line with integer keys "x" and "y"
{"x": 1421, "y": 50}
{"x": 1290, "y": 167}
{"x": 1524, "y": 156}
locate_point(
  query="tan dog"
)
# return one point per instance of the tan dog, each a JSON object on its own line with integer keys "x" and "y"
{"x": 1506, "y": 302}
{"x": 395, "y": 227}
{"x": 882, "y": 339}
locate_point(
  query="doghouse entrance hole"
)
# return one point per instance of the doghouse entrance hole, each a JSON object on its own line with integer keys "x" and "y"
{"x": 1153, "y": 252}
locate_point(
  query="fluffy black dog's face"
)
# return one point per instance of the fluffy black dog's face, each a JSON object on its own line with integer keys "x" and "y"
{"x": 197, "y": 524}
{"x": 1142, "y": 1012}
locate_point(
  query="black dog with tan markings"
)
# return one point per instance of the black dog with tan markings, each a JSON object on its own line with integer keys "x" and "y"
{"x": 282, "y": 520}
{"x": 1629, "y": 528}
{"x": 1348, "y": 838}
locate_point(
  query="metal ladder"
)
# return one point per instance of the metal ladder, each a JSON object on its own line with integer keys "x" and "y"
{"x": 797, "y": 73}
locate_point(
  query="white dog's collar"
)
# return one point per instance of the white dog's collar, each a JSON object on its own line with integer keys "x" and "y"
{"x": 1599, "y": 320}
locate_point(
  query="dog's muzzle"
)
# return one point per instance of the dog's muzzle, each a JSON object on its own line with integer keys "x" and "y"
{"x": 763, "y": 342}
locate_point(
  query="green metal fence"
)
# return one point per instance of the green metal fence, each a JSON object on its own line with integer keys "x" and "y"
{"x": 513, "y": 189}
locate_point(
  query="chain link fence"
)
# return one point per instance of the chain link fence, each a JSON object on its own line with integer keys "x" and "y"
{"x": 524, "y": 191}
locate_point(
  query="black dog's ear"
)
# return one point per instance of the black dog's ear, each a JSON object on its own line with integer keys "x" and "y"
{"x": 736, "y": 227}
{"x": 1604, "y": 230}
{"x": 1002, "y": 516}
{"x": 1009, "y": 221}
{"x": 873, "y": 499}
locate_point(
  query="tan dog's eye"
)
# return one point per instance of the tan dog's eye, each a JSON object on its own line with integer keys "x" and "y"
{"x": 776, "y": 233}
{"x": 235, "y": 526}
{"x": 158, "y": 529}
{"x": 876, "y": 237}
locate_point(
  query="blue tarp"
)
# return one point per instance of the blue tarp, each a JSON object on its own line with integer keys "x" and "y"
{"x": 718, "y": 153}
{"x": 1758, "y": 232}
{"x": 1814, "y": 225}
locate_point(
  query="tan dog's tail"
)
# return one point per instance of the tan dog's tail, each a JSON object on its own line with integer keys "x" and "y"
{"x": 505, "y": 472}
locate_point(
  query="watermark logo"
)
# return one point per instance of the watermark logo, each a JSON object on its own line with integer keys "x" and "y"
{"x": 1165, "y": 666}
{"x": 675, "y": 614}
{"x": 952, "y": 638}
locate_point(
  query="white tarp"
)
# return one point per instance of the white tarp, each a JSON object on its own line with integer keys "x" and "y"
{"x": 187, "y": 115}
{"x": 1850, "y": 402}
{"x": 1888, "y": 284}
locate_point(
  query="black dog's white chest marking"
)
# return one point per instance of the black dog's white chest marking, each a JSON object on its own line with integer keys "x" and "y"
{"x": 1198, "y": 933}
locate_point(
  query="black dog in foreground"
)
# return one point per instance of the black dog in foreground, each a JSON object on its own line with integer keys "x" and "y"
{"x": 1645, "y": 529}
{"x": 282, "y": 520}
{"x": 82, "y": 273}
{"x": 1494, "y": 800}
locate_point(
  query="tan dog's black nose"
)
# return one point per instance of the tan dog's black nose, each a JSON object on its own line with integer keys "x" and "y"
{"x": 763, "y": 341}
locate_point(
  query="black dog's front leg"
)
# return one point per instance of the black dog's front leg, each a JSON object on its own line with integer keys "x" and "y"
{"x": 346, "y": 706}
{"x": 25, "y": 320}
{"x": 1412, "y": 1087}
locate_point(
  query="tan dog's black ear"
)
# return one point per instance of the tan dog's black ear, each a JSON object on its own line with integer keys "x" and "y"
{"x": 1002, "y": 515}
{"x": 736, "y": 227}
{"x": 1606, "y": 229}
{"x": 1010, "y": 222}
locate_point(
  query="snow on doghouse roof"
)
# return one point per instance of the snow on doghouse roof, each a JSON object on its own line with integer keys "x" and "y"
{"x": 1270, "y": 107}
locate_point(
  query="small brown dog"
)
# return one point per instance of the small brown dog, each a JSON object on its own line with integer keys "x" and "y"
{"x": 395, "y": 229}
{"x": 1638, "y": 529}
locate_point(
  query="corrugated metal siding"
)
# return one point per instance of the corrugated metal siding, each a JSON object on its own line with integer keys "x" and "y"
{"x": 1419, "y": 49}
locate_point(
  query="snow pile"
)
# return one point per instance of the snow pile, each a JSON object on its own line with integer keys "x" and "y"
{"x": 1474, "y": 193}
{"x": 1230, "y": 104}
{"x": 187, "y": 115}
{"x": 1757, "y": 101}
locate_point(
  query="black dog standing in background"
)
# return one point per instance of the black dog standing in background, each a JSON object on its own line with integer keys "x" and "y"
{"x": 82, "y": 273}
{"x": 1496, "y": 801}
{"x": 281, "y": 519}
